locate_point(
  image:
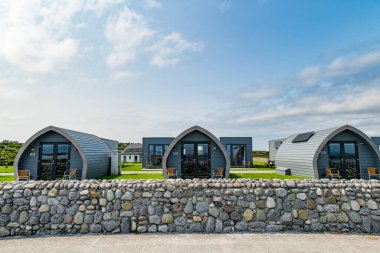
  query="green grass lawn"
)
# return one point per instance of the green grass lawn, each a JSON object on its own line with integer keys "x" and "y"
{"x": 256, "y": 166}
{"x": 6, "y": 170}
{"x": 261, "y": 166}
{"x": 131, "y": 166}
{"x": 263, "y": 176}
{"x": 232, "y": 175}
{"x": 7, "y": 178}
{"x": 135, "y": 176}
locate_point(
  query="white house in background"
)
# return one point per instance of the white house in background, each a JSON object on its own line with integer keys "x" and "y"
{"x": 132, "y": 153}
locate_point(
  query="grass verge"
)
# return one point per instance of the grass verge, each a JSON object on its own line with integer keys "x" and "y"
{"x": 6, "y": 170}
{"x": 135, "y": 176}
{"x": 263, "y": 176}
{"x": 7, "y": 178}
{"x": 131, "y": 166}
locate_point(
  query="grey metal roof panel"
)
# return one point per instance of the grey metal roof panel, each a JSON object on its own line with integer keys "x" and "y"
{"x": 90, "y": 144}
{"x": 133, "y": 149}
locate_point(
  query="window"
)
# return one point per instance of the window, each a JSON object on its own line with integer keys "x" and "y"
{"x": 130, "y": 157}
{"x": 237, "y": 154}
{"x": 156, "y": 152}
{"x": 304, "y": 137}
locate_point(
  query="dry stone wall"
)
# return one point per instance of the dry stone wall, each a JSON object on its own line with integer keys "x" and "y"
{"x": 185, "y": 206}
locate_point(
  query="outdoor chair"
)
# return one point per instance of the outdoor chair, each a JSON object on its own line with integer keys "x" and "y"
{"x": 71, "y": 174}
{"x": 219, "y": 172}
{"x": 24, "y": 175}
{"x": 372, "y": 172}
{"x": 331, "y": 174}
{"x": 171, "y": 173}
{"x": 149, "y": 165}
{"x": 270, "y": 164}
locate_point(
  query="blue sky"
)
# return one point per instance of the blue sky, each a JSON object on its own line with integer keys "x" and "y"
{"x": 128, "y": 69}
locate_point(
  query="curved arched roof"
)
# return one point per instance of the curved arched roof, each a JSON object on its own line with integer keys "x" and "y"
{"x": 88, "y": 145}
{"x": 203, "y": 131}
{"x": 304, "y": 155}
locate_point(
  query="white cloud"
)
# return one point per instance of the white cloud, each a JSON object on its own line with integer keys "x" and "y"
{"x": 260, "y": 93}
{"x": 125, "y": 74}
{"x": 168, "y": 49}
{"x": 126, "y": 32}
{"x": 129, "y": 35}
{"x": 351, "y": 101}
{"x": 12, "y": 93}
{"x": 225, "y": 5}
{"x": 339, "y": 67}
{"x": 152, "y": 4}
{"x": 36, "y": 36}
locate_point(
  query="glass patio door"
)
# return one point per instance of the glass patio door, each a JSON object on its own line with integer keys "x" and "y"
{"x": 196, "y": 160}
{"x": 188, "y": 160}
{"x": 344, "y": 157}
{"x": 54, "y": 160}
{"x": 46, "y": 162}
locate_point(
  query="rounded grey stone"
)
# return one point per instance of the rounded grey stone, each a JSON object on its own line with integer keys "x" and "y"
{"x": 110, "y": 195}
{"x": 111, "y": 225}
{"x": 95, "y": 228}
{"x": 241, "y": 226}
{"x": 201, "y": 206}
{"x": 270, "y": 202}
{"x": 213, "y": 211}
{"x": 281, "y": 192}
{"x": 355, "y": 217}
{"x": 180, "y": 221}
{"x": 301, "y": 196}
{"x": 372, "y": 204}
{"x": 127, "y": 196}
{"x": 354, "y": 205}
{"x": 154, "y": 219}
{"x": 188, "y": 208}
{"x": 78, "y": 219}
{"x": 163, "y": 228}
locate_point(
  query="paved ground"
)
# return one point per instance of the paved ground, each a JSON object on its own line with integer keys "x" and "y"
{"x": 6, "y": 174}
{"x": 185, "y": 243}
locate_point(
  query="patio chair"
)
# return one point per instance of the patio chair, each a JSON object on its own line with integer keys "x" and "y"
{"x": 331, "y": 174}
{"x": 24, "y": 175}
{"x": 219, "y": 172}
{"x": 372, "y": 172}
{"x": 71, "y": 174}
{"x": 171, "y": 173}
{"x": 270, "y": 164}
{"x": 148, "y": 165}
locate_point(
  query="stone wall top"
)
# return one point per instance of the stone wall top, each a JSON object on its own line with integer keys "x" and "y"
{"x": 194, "y": 184}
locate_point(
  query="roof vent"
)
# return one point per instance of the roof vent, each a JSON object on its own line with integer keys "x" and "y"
{"x": 304, "y": 137}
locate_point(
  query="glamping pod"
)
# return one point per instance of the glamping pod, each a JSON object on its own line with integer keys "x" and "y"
{"x": 344, "y": 149}
{"x": 197, "y": 153}
{"x": 52, "y": 151}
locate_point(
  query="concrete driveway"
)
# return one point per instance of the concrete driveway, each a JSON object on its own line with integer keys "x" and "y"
{"x": 184, "y": 243}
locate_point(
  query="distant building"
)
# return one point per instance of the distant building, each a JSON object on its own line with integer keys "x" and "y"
{"x": 132, "y": 153}
{"x": 53, "y": 150}
{"x": 345, "y": 149}
{"x": 273, "y": 147}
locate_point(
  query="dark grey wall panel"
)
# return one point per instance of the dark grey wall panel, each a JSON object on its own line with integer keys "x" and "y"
{"x": 247, "y": 141}
{"x": 153, "y": 140}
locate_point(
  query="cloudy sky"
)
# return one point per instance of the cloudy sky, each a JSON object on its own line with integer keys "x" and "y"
{"x": 126, "y": 69}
